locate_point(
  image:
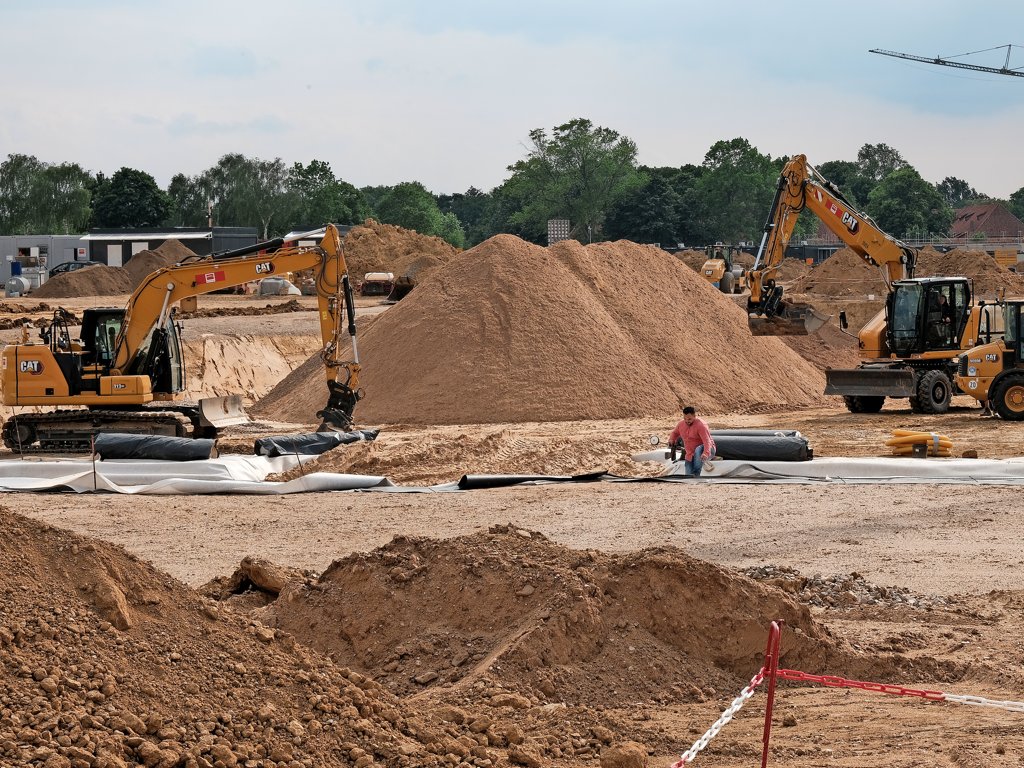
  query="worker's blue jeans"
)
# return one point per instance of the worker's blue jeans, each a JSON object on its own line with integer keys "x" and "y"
{"x": 694, "y": 466}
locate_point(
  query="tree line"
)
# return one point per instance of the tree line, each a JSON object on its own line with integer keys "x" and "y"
{"x": 577, "y": 171}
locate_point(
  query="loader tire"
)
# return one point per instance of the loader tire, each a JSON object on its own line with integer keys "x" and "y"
{"x": 1008, "y": 396}
{"x": 727, "y": 283}
{"x": 864, "y": 403}
{"x": 934, "y": 392}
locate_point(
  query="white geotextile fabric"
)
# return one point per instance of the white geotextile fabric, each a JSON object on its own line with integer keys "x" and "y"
{"x": 226, "y": 474}
{"x": 895, "y": 469}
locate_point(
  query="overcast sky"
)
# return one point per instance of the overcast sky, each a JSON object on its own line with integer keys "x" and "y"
{"x": 445, "y": 92}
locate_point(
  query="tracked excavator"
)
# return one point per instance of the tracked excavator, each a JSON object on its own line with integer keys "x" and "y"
{"x": 125, "y": 372}
{"x": 910, "y": 348}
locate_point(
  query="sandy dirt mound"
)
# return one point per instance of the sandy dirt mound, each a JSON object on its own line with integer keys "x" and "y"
{"x": 828, "y": 348}
{"x": 544, "y": 621}
{"x": 100, "y": 280}
{"x": 109, "y": 662}
{"x": 109, "y": 281}
{"x": 847, "y": 275}
{"x": 989, "y": 276}
{"x": 844, "y": 273}
{"x": 376, "y": 247}
{"x": 511, "y": 332}
{"x": 144, "y": 263}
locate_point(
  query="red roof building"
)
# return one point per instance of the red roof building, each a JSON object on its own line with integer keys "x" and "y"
{"x": 988, "y": 221}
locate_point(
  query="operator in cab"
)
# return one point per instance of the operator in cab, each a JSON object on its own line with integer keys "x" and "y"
{"x": 695, "y": 437}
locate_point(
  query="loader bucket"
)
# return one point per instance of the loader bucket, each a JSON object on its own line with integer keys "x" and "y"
{"x": 870, "y": 382}
{"x": 789, "y": 320}
{"x": 222, "y": 412}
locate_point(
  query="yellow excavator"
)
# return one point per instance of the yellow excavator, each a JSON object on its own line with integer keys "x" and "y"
{"x": 125, "y": 372}
{"x": 910, "y": 348}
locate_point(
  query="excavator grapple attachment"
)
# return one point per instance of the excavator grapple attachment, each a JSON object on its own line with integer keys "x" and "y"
{"x": 337, "y": 415}
{"x": 789, "y": 319}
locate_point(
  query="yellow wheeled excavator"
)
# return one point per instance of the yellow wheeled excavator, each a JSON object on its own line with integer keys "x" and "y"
{"x": 125, "y": 372}
{"x": 910, "y": 348}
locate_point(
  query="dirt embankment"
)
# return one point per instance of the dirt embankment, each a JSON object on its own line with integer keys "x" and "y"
{"x": 512, "y": 332}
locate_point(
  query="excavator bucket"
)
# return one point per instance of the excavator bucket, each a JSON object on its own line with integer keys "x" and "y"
{"x": 789, "y": 320}
{"x": 337, "y": 415}
{"x": 222, "y": 412}
{"x": 871, "y": 382}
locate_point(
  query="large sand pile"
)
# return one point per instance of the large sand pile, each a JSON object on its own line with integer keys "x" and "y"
{"x": 144, "y": 263}
{"x": 376, "y": 247}
{"x": 988, "y": 275}
{"x": 844, "y": 273}
{"x": 512, "y": 332}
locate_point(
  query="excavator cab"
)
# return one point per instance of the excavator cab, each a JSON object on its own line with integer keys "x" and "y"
{"x": 927, "y": 314}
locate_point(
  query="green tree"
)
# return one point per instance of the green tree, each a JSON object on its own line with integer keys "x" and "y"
{"x": 1016, "y": 203}
{"x": 905, "y": 205}
{"x": 737, "y": 186}
{"x": 846, "y": 176}
{"x": 451, "y": 230}
{"x": 43, "y": 198}
{"x": 646, "y": 214}
{"x": 473, "y": 208}
{"x": 956, "y": 192}
{"x": 319, "y": 198}
{"x": 410, "y": 205}
{"x": 876, "y": 161}
{"x": 130, "y": 198}
{"x": 576, "y": 173}
{"x": 190, "y": 197}
{"x": 248, "y": 192}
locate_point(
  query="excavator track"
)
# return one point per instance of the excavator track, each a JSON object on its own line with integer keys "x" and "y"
{"x": 73, "y": 431}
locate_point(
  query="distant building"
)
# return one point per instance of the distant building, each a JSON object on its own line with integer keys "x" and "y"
{"x": 990, "y": 221}
{"x": 114, "y": 247}
{"x": 30, "y": 255}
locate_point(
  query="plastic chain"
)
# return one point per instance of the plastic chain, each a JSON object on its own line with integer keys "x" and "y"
{"x": 737, "y": 704}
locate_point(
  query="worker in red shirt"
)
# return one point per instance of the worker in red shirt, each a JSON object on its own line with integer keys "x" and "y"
{"x": 698, "y": 447}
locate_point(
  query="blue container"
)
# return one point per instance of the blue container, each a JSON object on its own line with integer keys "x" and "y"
{"x": 15, "y": 269}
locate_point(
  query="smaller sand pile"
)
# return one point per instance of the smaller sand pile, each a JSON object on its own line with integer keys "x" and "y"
{"x": 545, "y": 621}
{"x": 144, "y": 263}
{"x": 100, "y": 280}
{"x": 844, "y": 274}
{"x": 988, "y": 275}
{"x": 376, "y": 247}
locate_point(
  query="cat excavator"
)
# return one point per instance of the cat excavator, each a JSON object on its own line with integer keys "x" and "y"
{"x": 910, "y": 348}
{"x": 125, "y": 372}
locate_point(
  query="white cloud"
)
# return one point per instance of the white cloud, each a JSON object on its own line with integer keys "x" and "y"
{"x": 387, "y": 94}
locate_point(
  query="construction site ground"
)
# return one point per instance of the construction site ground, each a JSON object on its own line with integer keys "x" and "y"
{"x": 913, "y": 585}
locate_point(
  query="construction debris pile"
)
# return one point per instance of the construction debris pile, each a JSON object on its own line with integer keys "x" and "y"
{"x": 513, "y": 332}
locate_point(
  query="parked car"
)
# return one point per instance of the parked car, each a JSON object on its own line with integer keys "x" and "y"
{"x": 71, "y": 266}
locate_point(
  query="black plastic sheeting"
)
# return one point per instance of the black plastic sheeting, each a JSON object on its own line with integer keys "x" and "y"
{"x": 310, "y": 443}
{"x": 119, "y": 445}
{"x": 763, "y": 448}
{"x": 481, "y": 482}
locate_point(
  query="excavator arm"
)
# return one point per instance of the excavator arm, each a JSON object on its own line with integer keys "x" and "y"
{"x": 802, "y": 188}
{"x": 149, "y": 309}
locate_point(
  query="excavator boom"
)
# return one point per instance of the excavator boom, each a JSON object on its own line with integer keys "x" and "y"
{"x": 801, "y": 188}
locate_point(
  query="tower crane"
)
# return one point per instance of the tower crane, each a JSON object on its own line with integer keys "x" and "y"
{"x": 945, "y": 62}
